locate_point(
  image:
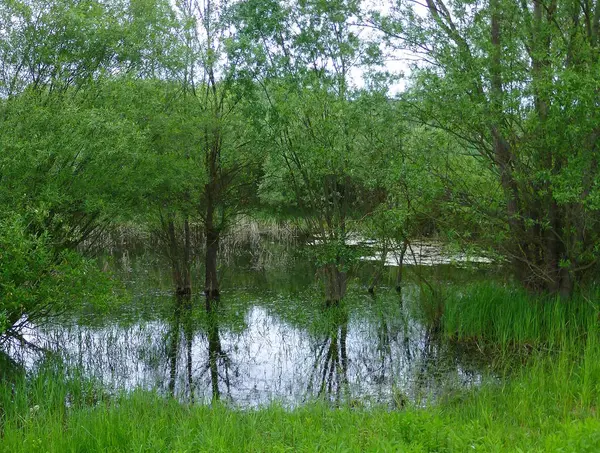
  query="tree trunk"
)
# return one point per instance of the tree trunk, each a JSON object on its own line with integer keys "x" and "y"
{"x": 335, "y": 284}
{"x": 211, "y": 282}
{"x": 211, "y": 229}
{"x": 180, "y": 257}
{"x": 400, "y": 262}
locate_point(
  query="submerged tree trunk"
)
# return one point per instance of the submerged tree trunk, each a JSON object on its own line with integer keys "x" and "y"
{"x": 211, "y": 228}
{"x": 337, "y": 193}
{"x": 211, "y": 282}
{"x": 400, "y": 262}
{"x": 335, "y": 284}
{"x": 179, "y": 251}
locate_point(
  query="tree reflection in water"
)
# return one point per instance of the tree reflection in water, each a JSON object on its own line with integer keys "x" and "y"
{"x": 363, "y": 351}
{"x": 181, "y": 322}
{"x": 217, "y": 363}
{"x": 218, "y": 359}
{"x": 330, "y": 369}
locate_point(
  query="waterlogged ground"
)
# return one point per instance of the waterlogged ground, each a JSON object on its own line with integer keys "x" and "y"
{"x": 269, "y": 339}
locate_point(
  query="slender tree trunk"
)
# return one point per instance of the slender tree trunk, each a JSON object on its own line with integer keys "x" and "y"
{"x": 211, "y": 282}
{"x": 180, "y": 257}
{"x": 211, "y": 229}
{"x": 400, "y": 262}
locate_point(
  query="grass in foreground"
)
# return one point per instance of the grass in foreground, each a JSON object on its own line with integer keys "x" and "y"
{"x": 551, "y": 405}
{"x": 493, "y": 420}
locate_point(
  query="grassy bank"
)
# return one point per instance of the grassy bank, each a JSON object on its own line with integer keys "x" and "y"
{"x": 532, "y": 413}
{"x": 545, "y": 400}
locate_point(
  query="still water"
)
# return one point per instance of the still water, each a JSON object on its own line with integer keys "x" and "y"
{"x": 269, "y": 339}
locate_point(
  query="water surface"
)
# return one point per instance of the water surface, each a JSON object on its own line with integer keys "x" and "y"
{"x": 269, "y": 339}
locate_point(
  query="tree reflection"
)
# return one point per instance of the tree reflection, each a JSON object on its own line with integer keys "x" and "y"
{"x": 330, "y": 370}
{"x": 384, "y": 345}
{"x": 181, "y": 354}
{"x": 181, "y": 323}
{"x": 219, "y": 364}
{"x": 188, "y": 363}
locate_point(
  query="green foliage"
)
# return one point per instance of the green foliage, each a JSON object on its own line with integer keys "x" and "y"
{"x": 65, "y": 174}
{"x": 37, "y": 282}
{"x": 60, "y": 160}
{"x": 165, "y": 173}
{"x": 63, "y": 44}
{"x": 516, "y": 84}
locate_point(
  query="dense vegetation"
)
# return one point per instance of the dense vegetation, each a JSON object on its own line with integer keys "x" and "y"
{"x": 175, "y": 117}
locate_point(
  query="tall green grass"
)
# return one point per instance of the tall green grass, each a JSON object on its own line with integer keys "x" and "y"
{"x": 55, "y": 413}
{"x": 551, "y": 346}
{"x": 510, "y": 316}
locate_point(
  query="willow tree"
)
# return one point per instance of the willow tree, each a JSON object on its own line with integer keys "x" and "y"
{"x": 209, "y": 77}
{"x": 175, "y": 81}
{"x": 165, "y": 183}
{"x": 517, "y": 82}
{"x": 64, "y": 162}
{"x": 303, "y": 55}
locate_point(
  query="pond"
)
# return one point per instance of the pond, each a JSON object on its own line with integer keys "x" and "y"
{"x": 270, "y": 339}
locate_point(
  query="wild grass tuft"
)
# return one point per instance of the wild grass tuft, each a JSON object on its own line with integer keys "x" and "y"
{"x": 510, "y": 316}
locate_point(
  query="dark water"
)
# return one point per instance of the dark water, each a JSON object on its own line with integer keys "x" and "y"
{"x": 269, "y": 339}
